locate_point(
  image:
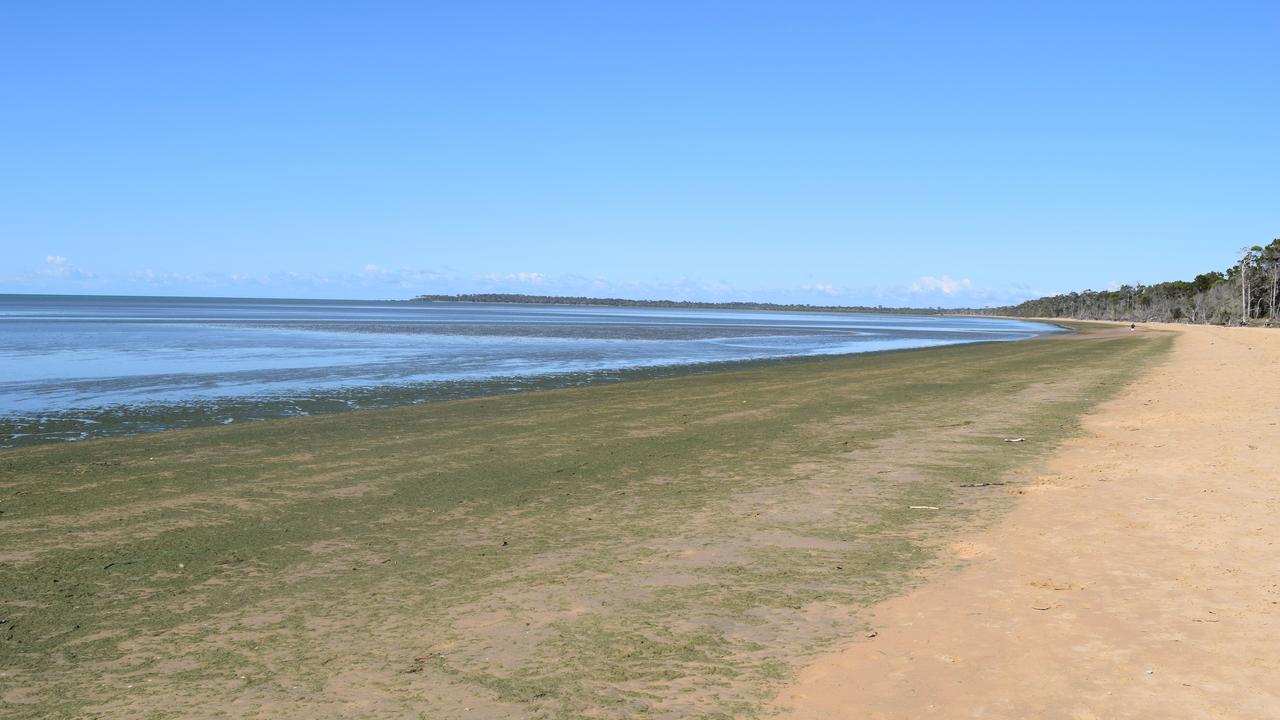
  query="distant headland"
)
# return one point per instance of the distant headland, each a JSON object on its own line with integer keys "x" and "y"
{"x": 623, "y": 302}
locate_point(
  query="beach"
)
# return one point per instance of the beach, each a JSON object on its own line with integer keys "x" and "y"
{"x": 671, "y": 548}
{"x": 1134, "y": 577}
{"x": 78, "y": 368}
{"x": 661, "y": 361}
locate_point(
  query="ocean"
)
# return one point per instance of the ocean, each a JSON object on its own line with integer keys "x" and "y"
{"x": 78, "y": 367}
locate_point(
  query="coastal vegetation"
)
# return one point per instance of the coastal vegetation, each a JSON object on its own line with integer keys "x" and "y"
{"x": 686, "y": 304}
{"x": 1247, "y": 291}
{"x": 665, "y": 548}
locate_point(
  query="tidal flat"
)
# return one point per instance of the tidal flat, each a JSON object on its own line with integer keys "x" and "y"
{"x": 664, "y": 548}
{"x": 88, "y": 367}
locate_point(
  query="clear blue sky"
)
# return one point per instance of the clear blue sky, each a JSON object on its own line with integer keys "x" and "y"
{"x": 899, "y": 153}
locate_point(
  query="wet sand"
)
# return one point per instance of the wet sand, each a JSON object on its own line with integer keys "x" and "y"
{"x": 1136, "y": 578}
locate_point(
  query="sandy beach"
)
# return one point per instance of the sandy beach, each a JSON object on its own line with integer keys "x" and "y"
{"x": 1135, "y": 578}
{"x": 640, "y": 361}
{"x": 670, "y": 548}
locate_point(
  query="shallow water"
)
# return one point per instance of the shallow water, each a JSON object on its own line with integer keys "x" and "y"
{"x": 73, "y": 367}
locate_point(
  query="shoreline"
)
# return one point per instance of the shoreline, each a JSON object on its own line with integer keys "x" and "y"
{"x": 80, "y": 425}
{"x": 1042, "y": 617}
{"x": 673, "y": 547}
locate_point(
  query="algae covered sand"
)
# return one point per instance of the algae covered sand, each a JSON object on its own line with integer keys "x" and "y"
{"x": 669, "y": 548}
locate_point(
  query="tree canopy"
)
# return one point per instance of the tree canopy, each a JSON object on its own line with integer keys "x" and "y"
{"x": 1212, "y": 297}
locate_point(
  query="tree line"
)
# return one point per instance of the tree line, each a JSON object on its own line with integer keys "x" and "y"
{"x": 1248, "y": 291}
{"x": 689, "y": 304}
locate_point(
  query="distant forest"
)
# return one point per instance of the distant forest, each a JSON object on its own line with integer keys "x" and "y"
{"x": 621, "y": 302}
{"x": 1248, "y": 291}
{"x": 1245, "y": 292}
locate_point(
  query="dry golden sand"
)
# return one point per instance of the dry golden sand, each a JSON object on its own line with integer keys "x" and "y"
{"x": 1139, "y": 578}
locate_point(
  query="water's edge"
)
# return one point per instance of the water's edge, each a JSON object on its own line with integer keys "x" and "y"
{"x": 78, "y": 368}
{"x": 132, "y": 419}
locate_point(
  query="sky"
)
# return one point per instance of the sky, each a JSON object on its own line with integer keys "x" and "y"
{"x": 906, "y": 153}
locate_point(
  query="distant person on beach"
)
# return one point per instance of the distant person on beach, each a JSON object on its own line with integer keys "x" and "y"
{"x": 1132, "y": 327}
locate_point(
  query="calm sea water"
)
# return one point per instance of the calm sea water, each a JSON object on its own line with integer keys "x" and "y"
{"x": 73, "y": 367}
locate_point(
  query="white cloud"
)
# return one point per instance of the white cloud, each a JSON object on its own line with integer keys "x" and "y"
{"x": 945, "y": 285}
{"x": 823, "y": 288}
{"x": 532, "y": 278}
{"x": 377, "y": 275}
{"x": 56, "y": 267}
